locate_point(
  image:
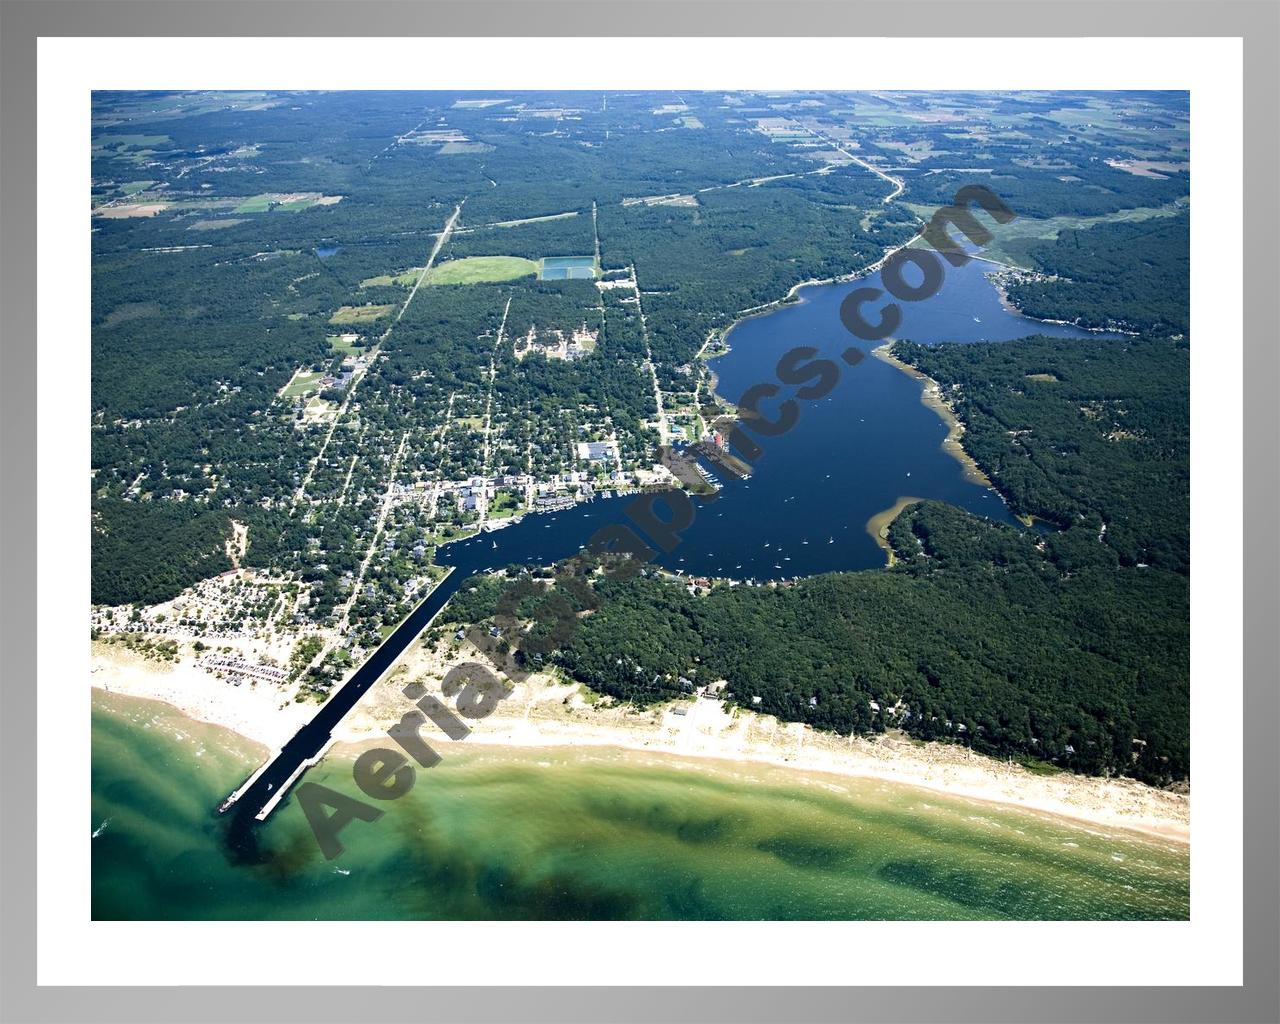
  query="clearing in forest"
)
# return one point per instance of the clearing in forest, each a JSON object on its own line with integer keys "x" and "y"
{"x": 481, "y": 269}
{"x": 303, "y": 383}
{"x": 359, "y": 314}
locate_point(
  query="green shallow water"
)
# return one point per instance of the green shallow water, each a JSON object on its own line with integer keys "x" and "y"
{"x": 595, "y": 834}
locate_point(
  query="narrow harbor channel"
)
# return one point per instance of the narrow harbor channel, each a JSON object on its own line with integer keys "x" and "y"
{"x": 804, "y": 511}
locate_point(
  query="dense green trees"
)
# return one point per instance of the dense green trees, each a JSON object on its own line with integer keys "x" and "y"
{"x": 1052, "y": 644}
{"x": 1132, "y": 275}
{"x": 979, "y": 635}
{"x": 147, "y": 552}
{"x": 1091, "y": 434}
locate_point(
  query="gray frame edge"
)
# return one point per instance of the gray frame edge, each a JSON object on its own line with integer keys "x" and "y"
{"x": 23, "y": 21}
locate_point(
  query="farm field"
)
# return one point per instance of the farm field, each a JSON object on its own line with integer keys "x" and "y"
{"x": 481, "y": 270}
{"x": 290, "y": 201}
{"x": 360, "y": 314}
{"x": 405, "y": 279}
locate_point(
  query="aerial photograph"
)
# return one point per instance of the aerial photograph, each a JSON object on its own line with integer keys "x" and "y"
{"x": 640, "y": 505}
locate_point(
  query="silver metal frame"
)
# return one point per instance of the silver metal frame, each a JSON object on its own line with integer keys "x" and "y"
{"x": 21, "y": 23}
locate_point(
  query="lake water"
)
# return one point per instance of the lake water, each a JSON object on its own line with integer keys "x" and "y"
{"x": 610, "y": 834}
{"x": 851, "y": 455}
{"x": 595, "y": 834}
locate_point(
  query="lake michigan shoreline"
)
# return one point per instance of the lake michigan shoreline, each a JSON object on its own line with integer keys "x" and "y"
{"x": 264, "y": 716}
{"x": 548, "y": 714}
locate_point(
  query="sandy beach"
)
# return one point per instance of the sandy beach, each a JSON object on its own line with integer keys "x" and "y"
{"x": 931, "y": 398}
{"x": 547, "y": 712}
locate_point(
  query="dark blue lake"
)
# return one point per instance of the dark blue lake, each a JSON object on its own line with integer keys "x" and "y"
{"x": 803, "y": 511}
{"x": 851, "y": 455}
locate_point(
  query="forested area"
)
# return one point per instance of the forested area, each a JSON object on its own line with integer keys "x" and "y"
{"x": 1134, "y": 276}
{"x": 217, "y": 271}
{"x": 127, "y": 536}
{"x": 1068, "y": 643}
{"x": 232, "y": 239}
{"x": 980, "y": 634}
{"x": 698, "y": 265}
{"x": 1090, "y": 435}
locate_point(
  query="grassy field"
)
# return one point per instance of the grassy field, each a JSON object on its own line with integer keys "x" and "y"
{"x": 481, "y": 269}
{"x": 216, "y": 225}
{"x": 347, "y": 348}
{"x": 406, "y": 279}
{"x": 505, "y": 504}
{"x": 289, "y": 201}
{"x": 109, "y": 140}
{"x": 255, "y": 204}
{"x": 359, "y": 314}
{"x": 301, "y": 385}
{"x": 454, "y": 148}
